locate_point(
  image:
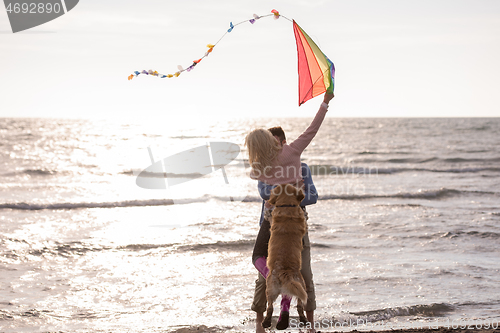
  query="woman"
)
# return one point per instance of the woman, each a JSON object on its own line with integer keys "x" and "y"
{"x": 275, "y": 162}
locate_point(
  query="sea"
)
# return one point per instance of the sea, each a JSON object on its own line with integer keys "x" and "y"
{"x": 406, "y": 231}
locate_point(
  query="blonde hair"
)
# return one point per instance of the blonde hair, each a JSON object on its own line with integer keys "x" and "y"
{"x": 262, "y": 149}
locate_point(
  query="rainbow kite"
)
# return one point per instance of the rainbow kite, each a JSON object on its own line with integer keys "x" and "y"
{"x": 316, "y": 71}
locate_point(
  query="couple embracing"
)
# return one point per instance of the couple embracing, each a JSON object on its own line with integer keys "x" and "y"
{"x": 274, "y": 162}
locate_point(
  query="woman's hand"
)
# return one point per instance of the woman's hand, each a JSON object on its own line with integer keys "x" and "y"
{"x": 328, "y": 97}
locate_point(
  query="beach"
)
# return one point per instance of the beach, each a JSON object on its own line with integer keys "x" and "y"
{"x": 404, "y": 234}
{"x": 438, "y": 330}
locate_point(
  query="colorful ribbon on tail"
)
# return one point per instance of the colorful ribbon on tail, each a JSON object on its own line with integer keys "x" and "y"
{"x": 316, "y": 71}
{"x": 274, "y": 13}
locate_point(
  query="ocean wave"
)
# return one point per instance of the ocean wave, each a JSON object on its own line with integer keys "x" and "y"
{"x": 441, "y": 193}
{"x": 79, "y": 205}
{"x": 465, "y": 160}
{"x": 55, "y": 249}
{"x": 67, "y": 250}
{"x": 432, "y": 310}
{"x": 199, "y": 328}
{"x": 37, "y": 313}
{"x": 459, "y": 234}
{"x": 33, "y": 172}
{"x": 411, "y": 160}
{"x": 478, "y": 237}
{"x": 321, "y": 246}
{"x": 6, "y": 315}
{"x": 40, "y": 172}
{"x": 149, "y": 174}
{"x": 75, "y": 249}
{"x": 332, "y": 170}
{"x": 189, "y": 137}
{"x": 463, "y": 170}
{"x": 226, "y": 245}
{"x": 476, "y": 304}
{"x": 473, "y": 233}
{"x": 221, "y": 245}
{"x": 144, "y": 247}
{"x": 424, "y": 310}
{"x": 115, "y": 204}
{"x": 399, "y": 205}
{"x": 417, "y": 160}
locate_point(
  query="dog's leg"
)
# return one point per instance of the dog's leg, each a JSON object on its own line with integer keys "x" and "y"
{"x": 267, "y": 320}
{"x": 300, "y": 310}
{"x": 300, "y": 305}
{"x": 283, "y": 320}
{"x": 272, "y": 292}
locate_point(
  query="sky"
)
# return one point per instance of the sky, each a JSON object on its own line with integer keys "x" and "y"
{"x": 393, "y": 58}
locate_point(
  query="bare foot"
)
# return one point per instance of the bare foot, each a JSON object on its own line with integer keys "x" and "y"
{"x": 258, "y": 323}
{"x": 310, "y": 317}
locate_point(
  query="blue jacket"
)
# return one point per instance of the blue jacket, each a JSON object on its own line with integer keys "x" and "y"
{"x": 311, "y": 195}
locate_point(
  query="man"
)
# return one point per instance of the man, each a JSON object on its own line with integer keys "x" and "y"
{"x": 260, "y": 249}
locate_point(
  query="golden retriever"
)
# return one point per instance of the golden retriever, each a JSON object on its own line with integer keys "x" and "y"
{"x": 288, "y": 227}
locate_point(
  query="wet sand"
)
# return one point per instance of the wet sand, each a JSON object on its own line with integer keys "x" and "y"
{"x": 205, "y": 329}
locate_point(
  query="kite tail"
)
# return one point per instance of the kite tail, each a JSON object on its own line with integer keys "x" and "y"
{"x": 256, "y": 17}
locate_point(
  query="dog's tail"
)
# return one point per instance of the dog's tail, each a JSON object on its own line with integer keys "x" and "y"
{"x": 294, "y": 288}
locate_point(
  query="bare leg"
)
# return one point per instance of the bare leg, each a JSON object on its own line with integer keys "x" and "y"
{"x": 258, "y": 323}
{"x": 310, "y": 317}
